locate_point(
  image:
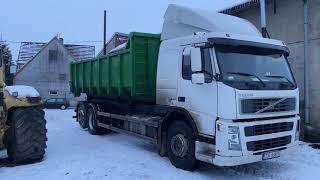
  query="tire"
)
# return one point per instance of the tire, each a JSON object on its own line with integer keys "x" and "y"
{"x": 93, "y": 128}
{"x": 26, "y": 137}
{"x": 81, "y": 116}
{"x": 181, "y": 146}
{"x": 63, "y": 107}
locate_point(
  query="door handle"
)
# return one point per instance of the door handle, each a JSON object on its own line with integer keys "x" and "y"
{"x": 181, "y": 99}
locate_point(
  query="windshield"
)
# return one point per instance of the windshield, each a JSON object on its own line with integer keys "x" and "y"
{"x": 248, "y": 68}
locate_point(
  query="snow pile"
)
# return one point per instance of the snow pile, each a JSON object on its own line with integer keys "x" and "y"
{"x": 73, "y": 153}
{"x": 22, "y": 91}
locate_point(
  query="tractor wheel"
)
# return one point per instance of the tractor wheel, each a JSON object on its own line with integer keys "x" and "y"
{"x": 26, "y": 138}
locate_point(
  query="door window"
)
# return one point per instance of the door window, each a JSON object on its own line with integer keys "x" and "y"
{"x": 186, "y": 67}
{"x": 206, "y": 65}
{"x": 51, "y": 100}
{"x": 60, "y": 100}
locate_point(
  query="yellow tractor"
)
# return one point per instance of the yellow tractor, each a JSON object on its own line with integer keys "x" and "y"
{"x": 22, "y": 122}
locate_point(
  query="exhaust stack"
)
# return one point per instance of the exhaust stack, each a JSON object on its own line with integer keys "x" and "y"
{"x": 263, "y": 18}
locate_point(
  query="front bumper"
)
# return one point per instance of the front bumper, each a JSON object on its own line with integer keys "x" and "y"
{"x": 247, "y": 159}
{"x": 223, "y": 156}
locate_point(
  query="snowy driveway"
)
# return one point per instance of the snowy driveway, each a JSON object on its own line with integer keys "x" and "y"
{"x": 74, "y": 154}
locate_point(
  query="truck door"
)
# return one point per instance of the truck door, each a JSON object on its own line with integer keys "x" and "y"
{"x": 200, "y": 99}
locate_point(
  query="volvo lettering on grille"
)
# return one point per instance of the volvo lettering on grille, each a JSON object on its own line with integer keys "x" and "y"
{"x": 257, "y": 106}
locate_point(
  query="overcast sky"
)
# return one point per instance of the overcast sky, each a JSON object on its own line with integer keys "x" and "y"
{"x": 78, "y": 21}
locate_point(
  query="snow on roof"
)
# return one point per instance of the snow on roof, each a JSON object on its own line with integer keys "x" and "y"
{"x": 181, "y": 21}
{"x": 240, "y": 6}
{"x": 29, "y": 50}
{"x": 122, "y": 37}
{"x": 121, "y": 46}
{"x": 22, "y": 91}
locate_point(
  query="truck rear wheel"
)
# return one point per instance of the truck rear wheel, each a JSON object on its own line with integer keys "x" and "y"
{"x": 181, "y": 146}
{"x": 81, "y": 117}
{"x": 93, "y": 127}
{"x": 26, "y": 138}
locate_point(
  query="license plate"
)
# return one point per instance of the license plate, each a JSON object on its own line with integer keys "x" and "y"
{"x": 270, "y": 155}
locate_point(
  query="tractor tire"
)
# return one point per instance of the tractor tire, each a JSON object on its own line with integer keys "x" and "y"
{"x": 93, "y": 127}
{"x": 181, "y": 146}
{"x": 26, "y": 137}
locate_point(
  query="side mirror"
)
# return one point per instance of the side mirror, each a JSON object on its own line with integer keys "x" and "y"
{"x": 196, "y": 63}
{"x": 198, "y": 78}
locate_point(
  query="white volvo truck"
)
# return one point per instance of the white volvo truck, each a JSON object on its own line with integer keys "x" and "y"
{"x": 224, "y": 94}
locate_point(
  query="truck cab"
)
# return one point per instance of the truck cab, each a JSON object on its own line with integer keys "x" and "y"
{"x": 239, "y": 90}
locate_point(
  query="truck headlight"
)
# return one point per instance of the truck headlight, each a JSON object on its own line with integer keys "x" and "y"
{"x": 234, "y": 138}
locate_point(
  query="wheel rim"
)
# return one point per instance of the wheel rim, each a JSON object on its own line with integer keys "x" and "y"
{"x": 63, "y": 107}
{"x": 90, "y": 118}
{"x": 81, "y": 116}
{"x": 179, "y": 145}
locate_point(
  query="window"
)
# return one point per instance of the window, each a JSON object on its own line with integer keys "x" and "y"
{"x": 206, "y": 65}
{"x": 53, "y": 92}
{"x": 186, "y": 67}
{"x": 62, "y": 77}
{"x": 53, "y": 55}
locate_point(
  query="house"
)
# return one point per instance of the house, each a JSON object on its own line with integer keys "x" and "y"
{"x": 116, "y": 40}
{"x": 286, "y": 21}
{"x": 46, "y": 66}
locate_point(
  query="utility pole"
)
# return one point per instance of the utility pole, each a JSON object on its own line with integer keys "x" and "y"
{"x": 0, "y": 54}
{"x": 306, "y": 61}
{"x": 105, "y": 33}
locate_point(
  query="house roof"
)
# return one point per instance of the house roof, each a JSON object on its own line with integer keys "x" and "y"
{"x": 242, "y": 6}
{"x": 112, "y": 37}
{"x": 43, "y": 47}
{"x": 28, "y": 50}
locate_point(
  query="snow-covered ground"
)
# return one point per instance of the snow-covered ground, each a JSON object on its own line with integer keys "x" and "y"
{"x": 73, "y": 153}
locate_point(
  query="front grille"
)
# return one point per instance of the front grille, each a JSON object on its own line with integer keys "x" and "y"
{"x": 268, "y": 143}
{"x": 268, "y": 128}
{"x": 249, "y": 106}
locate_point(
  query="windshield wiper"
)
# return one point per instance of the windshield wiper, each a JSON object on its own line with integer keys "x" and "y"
{"x": 248, "y": 75}
{"x": 282, "y": 77}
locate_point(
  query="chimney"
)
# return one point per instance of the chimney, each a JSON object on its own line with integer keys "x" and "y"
{"x": 61, "y": 40}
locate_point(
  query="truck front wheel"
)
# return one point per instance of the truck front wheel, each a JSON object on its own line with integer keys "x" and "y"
{"x": 26, "y": 138}
{"x": 181, "y": 146}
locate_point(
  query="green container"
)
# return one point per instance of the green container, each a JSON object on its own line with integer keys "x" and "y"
{"x": 129, "y": 73}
